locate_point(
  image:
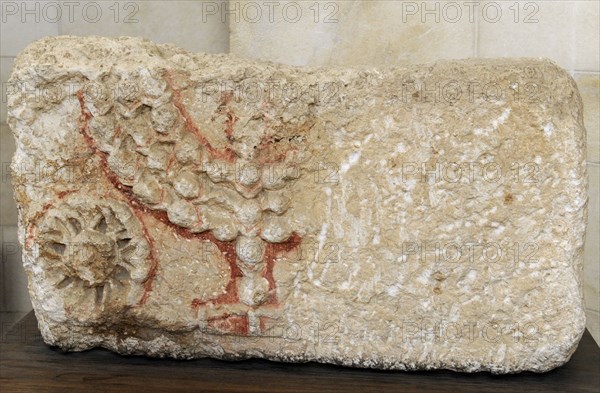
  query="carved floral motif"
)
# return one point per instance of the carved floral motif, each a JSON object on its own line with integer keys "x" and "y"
{"x": 97, "y": 252}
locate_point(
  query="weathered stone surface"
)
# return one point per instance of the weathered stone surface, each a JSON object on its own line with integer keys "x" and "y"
{"x": 190, "y": 205}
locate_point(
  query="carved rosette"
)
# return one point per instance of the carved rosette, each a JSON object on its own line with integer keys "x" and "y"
{"x": 94, "y": 258}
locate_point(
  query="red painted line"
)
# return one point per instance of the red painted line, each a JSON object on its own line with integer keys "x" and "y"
{"x": 33, "y": 222}
{"x": 227, "y": 153}
{"x": 227, "y": 249}
{"x": 233, "y": 324}
{"x": 272, "y": 251}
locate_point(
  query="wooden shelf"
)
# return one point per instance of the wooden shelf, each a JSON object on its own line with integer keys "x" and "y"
{"x": 27, "y": 364}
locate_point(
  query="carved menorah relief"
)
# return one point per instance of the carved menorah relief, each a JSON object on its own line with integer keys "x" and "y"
{"x": 234, "y": 196}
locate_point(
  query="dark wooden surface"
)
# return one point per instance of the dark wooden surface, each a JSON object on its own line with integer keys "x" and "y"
{"x": 28, "y": 365}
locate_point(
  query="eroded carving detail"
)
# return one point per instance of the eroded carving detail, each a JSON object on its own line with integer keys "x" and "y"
{"x": 98, "y": 253}
{"x": 235, "y": 196}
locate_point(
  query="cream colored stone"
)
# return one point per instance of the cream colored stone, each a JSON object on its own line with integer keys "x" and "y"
{"x": 347, "y": 33}
{"x": 356, "y": 216}
{"x": 589, "y": 86}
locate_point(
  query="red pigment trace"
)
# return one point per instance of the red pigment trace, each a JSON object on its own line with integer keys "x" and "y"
{"x": 229, "y": 123}
{"x": 29, "y": 238}
{"x": 227, "y": 249}
{"x": 63, "y": 194}
{"x": 234, "y": 324}
{"x": 227, "y": 153}
{"x": 238, "y": 324}
{"x": 125, "y": 191}
{"x": 154, "y": 261}
{"x": 231, "y": 117}
{"x": 264, "y": 321}
{"x": 272, "y": 251}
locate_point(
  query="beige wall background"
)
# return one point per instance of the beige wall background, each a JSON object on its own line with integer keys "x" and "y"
{"x": 318, "y": 33}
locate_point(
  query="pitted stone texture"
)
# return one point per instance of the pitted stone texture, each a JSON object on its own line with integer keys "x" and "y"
{"x": 92, "y": 257}
{"x": 191, "y": 205}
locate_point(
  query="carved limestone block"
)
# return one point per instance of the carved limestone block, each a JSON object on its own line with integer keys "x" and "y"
{"x": 191, "y": 205}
